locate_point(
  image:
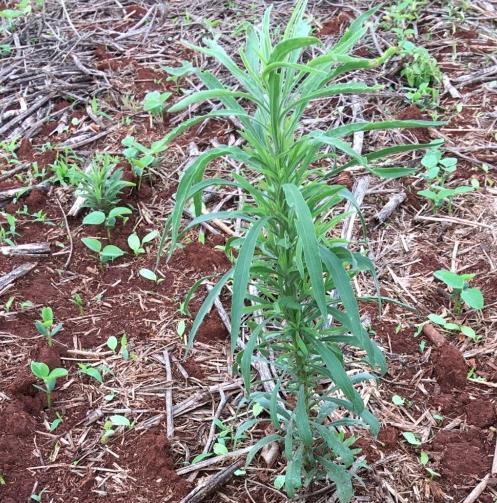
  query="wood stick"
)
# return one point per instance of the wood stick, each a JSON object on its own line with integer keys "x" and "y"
{"x": 214, "y": 461}
{"x": 476, "y": 492}
{"x": 434, "y": 335}
{"x": 212, "y": 431}
{"x": 259, "y": 365}
{"x": 6, "y": 195}
{"x": 169, "y": 396}
{"x": 27, "y": 250}
{"x": 16, "y": 273}
{"x": 390, "y": 206}
{"x": 213, "y": 482}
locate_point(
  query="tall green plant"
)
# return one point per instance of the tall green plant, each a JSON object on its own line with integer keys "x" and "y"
{"x": 287, "y": 250}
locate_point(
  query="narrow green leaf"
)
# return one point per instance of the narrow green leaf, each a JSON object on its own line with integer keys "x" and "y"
{"x": 207, "y": 305}
{"x": 310, "y": 247}
{"x": 241, "y": 276}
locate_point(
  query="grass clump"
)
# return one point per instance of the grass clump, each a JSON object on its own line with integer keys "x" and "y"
{"x": 286, "y": 254}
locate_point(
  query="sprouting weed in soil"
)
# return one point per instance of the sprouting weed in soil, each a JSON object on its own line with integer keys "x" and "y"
{"x": 2, "y": 480}
{"x": 49, "y": 378}
{"x": 38, "y": 496}
{"x": 77, "y": 300}
{"x": 440, "y": 196}
{"x": 97, "y": 109}
{"x": 438, "y": 171}
{"x": 154, "y": 103}
{"x": 102, "y": 184}
{"x": 129, "y": 102}
{"x": 473, "y": 376}
{"x": 422, "y": 74}
{"x": 64, "y": 168}
{"x": 25, "y": 305}
{"x": 110, "y": 219}
{"x": 111, "y": 426}
{"x": 91, "y": 372}
{"x": 37, "y": 173}
{"x": 150, "y": 275}
{"x": 180, "y": 328}
{"x": 112, "y": 344}
{"x": 420, "y": 69}
{"x": 56, "y": 422}
{"x": 140, "y": 157}
{"x": 8, "y": 305}
{"x": 8, "y": 150}
{"x": 108, "y": 253}
{"x": 450, "y": 326}
{"x": 412, "y": 438}
{"x": 41, "y": 217}
{"x": 286, "y": 250}
{"x": 176, "y": 73}
{"x": 437, "y": 165}
{"x": 46, "y": 325}
{"x": 398, "y": 400}
{"x": 422, "y": 345}
{"x": 137, "y": 246}
{"x": 8, "y": 229}
{"x": 461, "y": 291}
{"x": 424, "y": 459}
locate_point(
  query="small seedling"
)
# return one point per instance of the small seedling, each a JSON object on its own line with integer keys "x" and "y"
{"x": 150, "y": 275}
{"x": 446, "y": 325}
{"x": 101, "y": 186}
{"x": 91, "y": 372}
{"x": 154, "y": 101}
{"x": 8, "y": 231}
{"x": 37, "y": 497}
{"x": 77, "y": 300}
{"x": 424, "y": 460}
{"x": 107, "y": 253}
{"x": 49, "y": 378}
{"x": 41, "y": 217}
{"x": 140, "y": 157}
{"x": 398, "y": 400}
{"x": 440, "y": 195}
{"x": 411, "y": 438}
{"x": 109, "y": 220}
{"x": 112, "y": 423}
{"x": 138, "y": 246}
{"x": 438, "y": 166}
{"x": 46, "y": 325}
{"x": 56, "y": 422}
{"x": 8, "y": 305}
{"x": 112, "y": 344}
{"x": 461, "y": 292}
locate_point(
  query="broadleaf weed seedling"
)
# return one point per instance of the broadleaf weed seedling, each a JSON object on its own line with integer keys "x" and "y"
{"x": 110, "y": 219}
{"x": 111, "y": 425}
{"x": 154, "y": 102}
{"x": 46, "y": 326}
{"x": 150, "y": 275}
{"x": 461, "y": 291}
{"x": 49, "y": 378}
{"x": 284, "y": 251}
{"x": 91, "y": 372}
{"x": 137, "y": 245}
{"x": 106, "y": 253}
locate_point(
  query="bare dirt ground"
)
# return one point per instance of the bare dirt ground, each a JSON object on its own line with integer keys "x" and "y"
{"x": 65, "y": 54}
